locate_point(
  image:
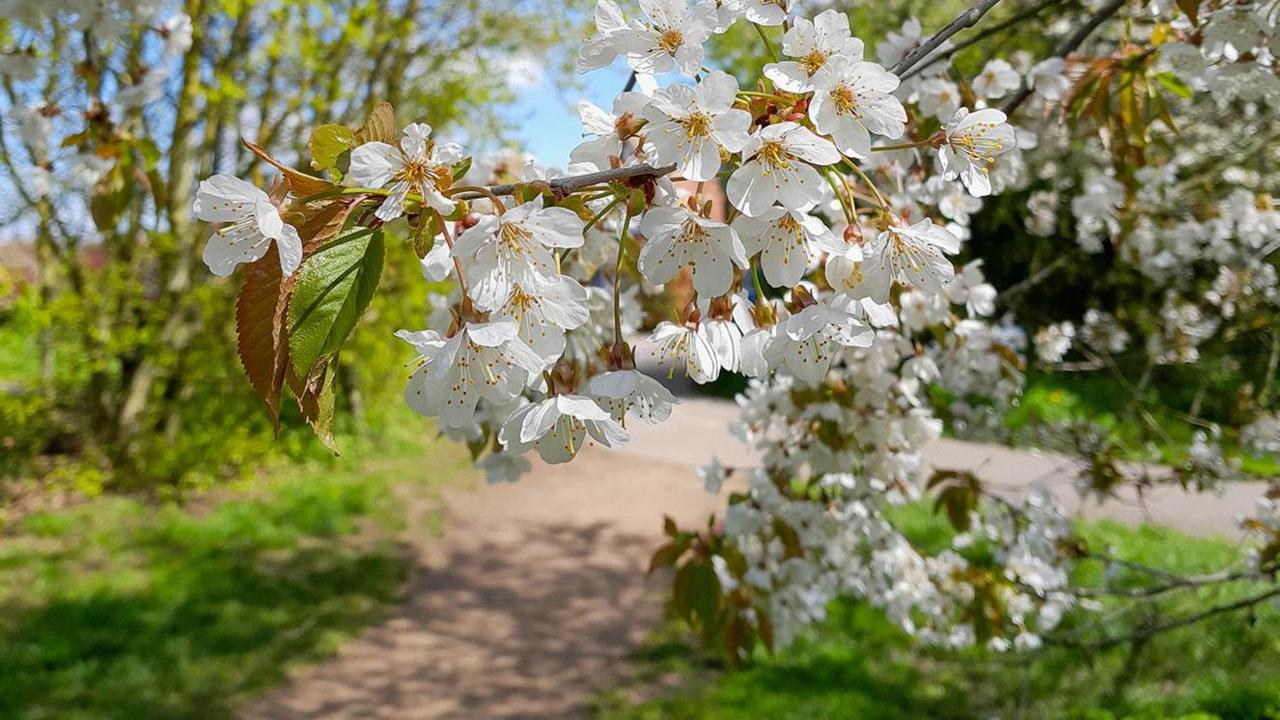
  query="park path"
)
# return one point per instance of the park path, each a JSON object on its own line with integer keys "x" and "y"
{"x": 529, "y": 603}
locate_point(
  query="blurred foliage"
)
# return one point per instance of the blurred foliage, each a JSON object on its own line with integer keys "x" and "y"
{"x": 118, "y": 367}
{"x": 215, "y": 428}
{"x": 118, "y": 608}
{"x": 856, "y": 664}
{"x": 1055, "y": 400}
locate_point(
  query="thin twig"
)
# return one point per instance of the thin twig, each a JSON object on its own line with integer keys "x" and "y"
{"x": 965, "y": 19}
{"x": 574, "y": 183}
{"x": 1072, "y": 44}
{"x": 1001, "y": 26}
{"x": 1152, "y": 630}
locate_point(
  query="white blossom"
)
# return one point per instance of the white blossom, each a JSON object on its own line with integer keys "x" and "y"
{"x": 683, "y": 346}
{"x": 625, "y": 392}
{"x": 544, "y": 310}
{"x": 501, "y": 252}
{"x": 776, "y": 169}
{"x": 558, "y": 427}
{"x": 688, "y": 126}
{"x": 676, "y": 238}
{"x": 973, "y": 141}
{"x": 248, "y": 223}
{"x": 812, "y": 43}
{"x": 787, "y": 241}
{"x": 1049, "y": 79}
{"x": 997, "y": 79}
{"x": 911, "y": 255}
{"x": 418, "y": 166}
{"x": 482, "y": 361}
{"x": 671, "y": 39}
{"x": 852, "y": 100}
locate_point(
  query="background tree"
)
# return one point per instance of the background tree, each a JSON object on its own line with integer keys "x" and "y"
{"x": 114, "y": 110}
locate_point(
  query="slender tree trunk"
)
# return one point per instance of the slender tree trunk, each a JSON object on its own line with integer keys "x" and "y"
{"x": 181, "y": 183}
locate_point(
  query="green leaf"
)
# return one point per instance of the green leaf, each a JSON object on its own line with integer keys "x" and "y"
{"x": 334, "y": 287}
{"x": 315, "y": 396}
{"x": 706, "y": 593}
{"x": 424, "y": 235}
{"x": 460, "y": 168}
{"x": 1174, "y": 85}
{"x": 665, "y": 556}
{"x": 328, "y": 143}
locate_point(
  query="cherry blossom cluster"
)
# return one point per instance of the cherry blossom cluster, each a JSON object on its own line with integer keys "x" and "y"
{"x": 826, "y": 278}
{"x": 838, "y": 455}
{"x": 523, "y": 363}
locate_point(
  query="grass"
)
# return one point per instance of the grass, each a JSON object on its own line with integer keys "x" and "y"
{"x": 1059, "y": 397}
{"x": 119, "y": 608}
{"x": 857, "y": 665}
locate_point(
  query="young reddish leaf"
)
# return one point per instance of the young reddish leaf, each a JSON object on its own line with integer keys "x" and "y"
{"x": 299, "y": 182}
{"x": 669, "y": 526}
{"x": 682, "y": 591}
{"x": 260, "y": 329}
{"x": 765, "y": 629}
{"x": 1191, "y": 8}
{"x": 318, "y": 225}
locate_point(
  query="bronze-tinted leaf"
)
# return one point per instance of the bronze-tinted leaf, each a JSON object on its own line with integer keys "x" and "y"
{"x": 260, "y": 329}
{"x": 380, "y": 127}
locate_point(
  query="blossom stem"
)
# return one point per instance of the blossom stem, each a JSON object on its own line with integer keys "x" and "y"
{"x": 768, "y": 45}
{"x": 902, "y": 146}
{"x": 600, "y": 215}
{"x": 448, "y": 239}
{"x": 501, "y": 208}
{"x": 841, "y": 196}
{"x": 867, "y": 181}
{"x": 617, "y": 281}
{"x": 755, "y": 281}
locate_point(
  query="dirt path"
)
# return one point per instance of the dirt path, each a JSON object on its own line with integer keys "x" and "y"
{"x": 529, "y": 603}
{"x": 525, "y": 609}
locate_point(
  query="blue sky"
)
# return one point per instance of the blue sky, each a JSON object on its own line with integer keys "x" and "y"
{"x": 548, "y": 120}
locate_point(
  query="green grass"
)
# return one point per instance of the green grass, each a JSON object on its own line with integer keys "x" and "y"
{"x": 119, "y": 608}
{"x": 1059, "y": 397}
{"x": 858, "y": 665}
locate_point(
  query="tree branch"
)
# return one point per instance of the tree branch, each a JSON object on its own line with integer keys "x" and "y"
{"x": 1001, "y": 26}
{"x": 1152, "y": 630}
{"x": 965, "y": 19}
{"x": 1072, "y": 44}
{"x": 577, "y": 182}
